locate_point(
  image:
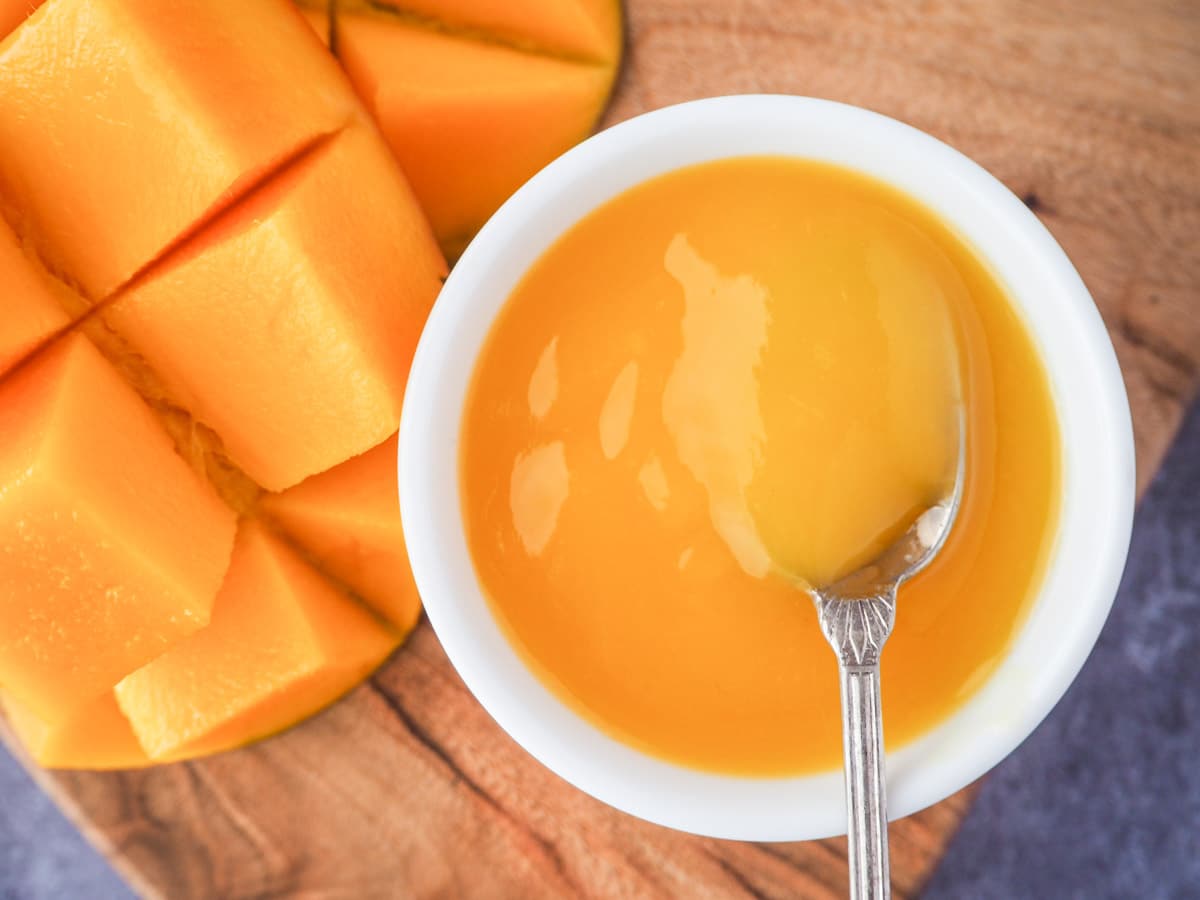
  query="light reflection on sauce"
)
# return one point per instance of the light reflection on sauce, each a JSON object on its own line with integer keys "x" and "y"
{"x": 543, "y": 384}
{"x": 653, "y": 480}
{"x": 617, "y": 412}
{"x": 710, "y": 404}
{"x": 537, "y": 491}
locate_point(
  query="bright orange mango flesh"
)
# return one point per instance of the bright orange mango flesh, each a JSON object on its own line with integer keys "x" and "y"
{"x": 348, "y": 520}
{"x": 583, "y": 29}
{"x": 290, "y": 326}
{"x": 31, "y": 313}
{"x": 97, "y": 576}
{"x": 224, "y": 132}
{"x": 14, "y": 12}
{"x": 342, "y": 270}
{"x": 469, "y": 122}
{"x": 614, "y": 549}
{"x": 158, "y": 115}
{"x": 282, "y": 642}
{"x": 97, "y": 736}
{"x": 318, "y": 19}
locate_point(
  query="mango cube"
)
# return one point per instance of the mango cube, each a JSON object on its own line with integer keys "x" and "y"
{"x": 470, "y": 122}
{"x": 282, "y": 642}
{"x": 348, "y": 520}
{"x": 583, "y": 29}
{"x": 124, "y": 123}
{"x": 96, "y": 736}
{"x": 111, "y": 548}
{"x": 290, "y": 326}
{"x": 193, "y": 187}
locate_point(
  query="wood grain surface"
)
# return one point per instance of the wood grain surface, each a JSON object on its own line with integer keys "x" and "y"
{"x": 1089, "y": 111}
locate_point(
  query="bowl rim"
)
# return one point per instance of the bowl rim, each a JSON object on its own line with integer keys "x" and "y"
{"x": 1098, "y": 475}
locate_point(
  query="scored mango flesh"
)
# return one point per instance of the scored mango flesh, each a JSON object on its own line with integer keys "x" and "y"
{"x": 348, "y": 520}
{"x": 94, "y": 578}
{"x": 588, "y": 30}
{"x": 216, "y": 275}
{"x": 96, "y": 736}
{"x": 327, "y": 315}
{"x": 32, "y": 314}
{"x": 158, "y": 116}
{"x": 475, "y": 96}
{"x": 469, "y": 122}
{"x": 284, "y": 640}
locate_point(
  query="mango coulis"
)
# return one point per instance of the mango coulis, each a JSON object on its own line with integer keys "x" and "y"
{"x": 733, "y": 378}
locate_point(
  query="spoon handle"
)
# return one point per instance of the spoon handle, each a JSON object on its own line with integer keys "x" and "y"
{"x": 866, "y": 794}
{"x": 857, "y": 628}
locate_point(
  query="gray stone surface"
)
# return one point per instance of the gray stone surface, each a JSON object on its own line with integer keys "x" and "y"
{"x": 1103, "y": 801}
{"x": 42, "y": 856}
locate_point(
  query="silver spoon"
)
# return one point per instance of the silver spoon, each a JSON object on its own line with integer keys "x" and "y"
{"x": 857, "y": 613}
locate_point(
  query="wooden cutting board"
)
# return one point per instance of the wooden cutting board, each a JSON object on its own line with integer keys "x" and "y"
{"x": 407, "y": 789}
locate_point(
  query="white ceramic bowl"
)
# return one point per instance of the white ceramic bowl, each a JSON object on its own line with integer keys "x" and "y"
{"x": 1097, "y": 447}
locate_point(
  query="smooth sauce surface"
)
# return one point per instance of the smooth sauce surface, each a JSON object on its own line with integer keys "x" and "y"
{"x": 727, "y": 376}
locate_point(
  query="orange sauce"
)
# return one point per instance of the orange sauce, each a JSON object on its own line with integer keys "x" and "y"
{"x": 731, "y": 380}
